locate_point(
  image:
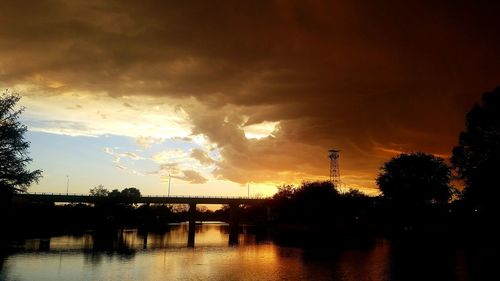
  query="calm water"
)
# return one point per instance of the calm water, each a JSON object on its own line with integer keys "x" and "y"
{"x": 131, "y": 255}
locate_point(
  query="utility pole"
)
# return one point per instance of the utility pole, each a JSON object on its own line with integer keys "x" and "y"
{"x": 67, "y": 185}
{"x": 248, "y": 187}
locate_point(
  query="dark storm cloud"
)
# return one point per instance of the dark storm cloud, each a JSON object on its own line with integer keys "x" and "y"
{"x": 368, "y": 77}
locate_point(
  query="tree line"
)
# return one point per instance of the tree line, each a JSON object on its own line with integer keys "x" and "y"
{"x": 416, "y": 178}
{"x": 130, "y": 192}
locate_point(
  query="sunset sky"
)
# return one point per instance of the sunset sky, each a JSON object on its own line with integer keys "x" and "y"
{"x": 222, "y": 94}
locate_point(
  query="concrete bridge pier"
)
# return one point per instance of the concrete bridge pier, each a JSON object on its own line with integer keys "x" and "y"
{"x": 234, "y": 210}
{"x": 269, "y": 213}
{"x": 145, "y": 241}
{"x": 192, "y": 224}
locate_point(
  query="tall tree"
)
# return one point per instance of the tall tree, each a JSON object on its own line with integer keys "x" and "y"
{"x": 477, "y": 156}
{"x": 114, "y": 193}
{"x": 131, "y": 192}
{"x": 314, "y": 202}
{"x": 99, "y": 190}
{"x": 415, "y": 178}
{"x": 14, "y": 175}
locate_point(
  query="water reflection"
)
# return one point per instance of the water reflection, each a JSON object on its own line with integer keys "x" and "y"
{"x": 140, "y": 255}
{"x": 207, "y": 234}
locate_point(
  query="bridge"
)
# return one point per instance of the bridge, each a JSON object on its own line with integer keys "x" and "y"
{"x": 83, "y": 198}
{"x": 192, "y": 201}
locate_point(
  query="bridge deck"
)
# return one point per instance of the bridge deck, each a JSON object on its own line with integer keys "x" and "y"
{"x": 81, "y": 198}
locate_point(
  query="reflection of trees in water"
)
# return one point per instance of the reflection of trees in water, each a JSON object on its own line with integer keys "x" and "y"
{"x": 110, "y": 243}
{"x": 434, "y": 258}
{"x": 44, "y": 244}
{"x": 3, "y": 255}
{"x": 398, "y": 260}
{"x": 367, "y": 263}
{"x": 423, "y": 260}
{"x": 482, "y": 259}
{"x": 224, "y": 229}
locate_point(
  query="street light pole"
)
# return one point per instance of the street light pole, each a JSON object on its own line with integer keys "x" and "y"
{"x": 169, "y": 179}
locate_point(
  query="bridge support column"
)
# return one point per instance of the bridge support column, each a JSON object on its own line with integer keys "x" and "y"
{"x": 269, "y": 214}
{"x": 145, "y": 241}
{"x": 234, "y": 224}
{"x": 192, "y": 224}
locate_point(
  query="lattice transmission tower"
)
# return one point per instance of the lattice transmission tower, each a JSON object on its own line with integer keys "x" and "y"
{"x": 334, "y": 155}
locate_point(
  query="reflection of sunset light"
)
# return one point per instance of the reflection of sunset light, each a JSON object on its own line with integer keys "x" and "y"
{"x": 361, "y": 264}
{"x": 130, "y": 254}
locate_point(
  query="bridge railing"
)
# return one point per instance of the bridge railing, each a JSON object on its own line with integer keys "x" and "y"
{"x": 151, "y": 196}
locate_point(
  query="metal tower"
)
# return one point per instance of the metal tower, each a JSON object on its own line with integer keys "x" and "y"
{"x": 334, "y": 154}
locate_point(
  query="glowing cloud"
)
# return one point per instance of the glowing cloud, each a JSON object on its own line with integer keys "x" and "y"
{"x": 77, "y": 113}
{"x": 261, "y": 130}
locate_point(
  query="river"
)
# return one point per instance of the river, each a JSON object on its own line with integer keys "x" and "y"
{"x": 132, "y": 255}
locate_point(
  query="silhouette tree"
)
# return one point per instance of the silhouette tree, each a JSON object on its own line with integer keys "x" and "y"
{"x": 476, "y": 159}
{"x": 415, "y": 178}
{"x": 314, "y": 192}
{"x": 131, "y": 192}
{"x": 115, "y": 193}
{"x": 314, "y": 201}
{"x": 354, "y": 193}
{"x": 285, "y": 192}
{"x": 14, "y": 175}
{"x": 99, "y": 191}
